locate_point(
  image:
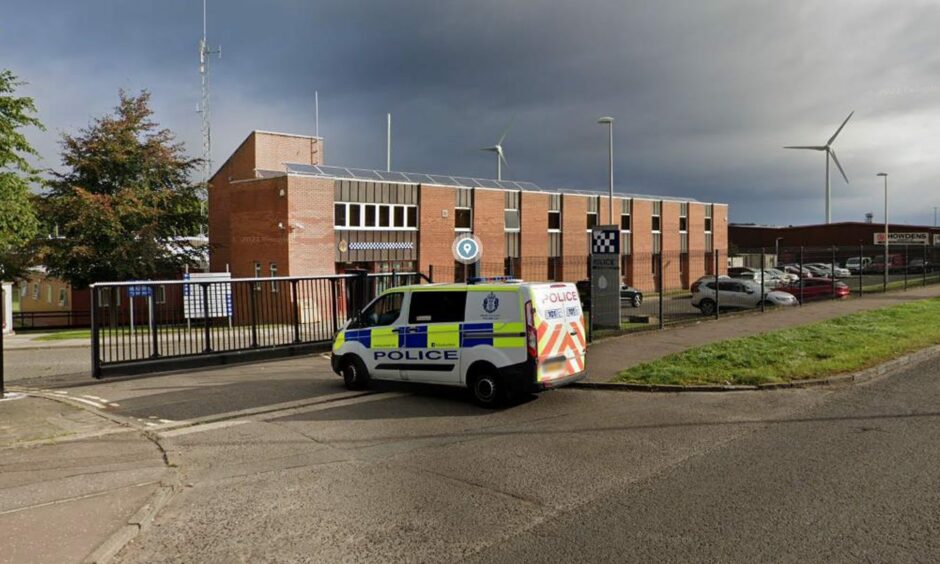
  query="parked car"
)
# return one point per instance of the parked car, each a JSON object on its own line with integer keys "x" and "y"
{"x": 736, "y": 271}
{"x": 786, "y": 277}
{"x": 631, "y": 295}
{"x": 795, "y": 270}
{"x": 816, "y": 289}
{"x": 856, "y": 265}
{"x": 707, "y": 278}
{"x": 919, "y": 265}
{"x": 769, "y": 280}
{"x": 627, "y": 293}
{"x": 735, "y": 294}
{"x": 826, "y": 270}
{"x": 895, "y": 264}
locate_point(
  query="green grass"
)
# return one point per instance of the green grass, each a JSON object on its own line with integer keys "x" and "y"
{"x": 839, "y": 345}
{"x": 913, "y": 280}
{"x": 63, "y": 335}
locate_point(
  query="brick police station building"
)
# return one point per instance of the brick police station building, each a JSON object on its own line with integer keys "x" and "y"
{"x": 276, "y": 210}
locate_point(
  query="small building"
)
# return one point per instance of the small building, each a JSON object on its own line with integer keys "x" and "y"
{"x": 747, "y": 236}
{"x": 276, "y": 209}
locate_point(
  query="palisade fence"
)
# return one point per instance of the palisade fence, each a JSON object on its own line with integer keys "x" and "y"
{"x": 144, "y": 326}
{"x": 666, "y": 280}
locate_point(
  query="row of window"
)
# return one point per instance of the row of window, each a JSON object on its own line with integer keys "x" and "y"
{"x": 374, "y": 216}
{"x": 63, "y": 293}
{"x": 426, "y": 307}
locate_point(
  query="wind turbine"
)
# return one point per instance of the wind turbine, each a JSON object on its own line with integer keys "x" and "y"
{"x": 500, "y": 155}
{"x": 830, "y": 152}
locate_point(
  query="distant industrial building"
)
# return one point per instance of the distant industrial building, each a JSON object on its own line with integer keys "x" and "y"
{"x": 275, "y": 209}
{"x": 745, "y": 236}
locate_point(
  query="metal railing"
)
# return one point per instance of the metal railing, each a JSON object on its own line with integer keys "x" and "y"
{"x": 26, "y": 320}
{"x": 162, "y": 324}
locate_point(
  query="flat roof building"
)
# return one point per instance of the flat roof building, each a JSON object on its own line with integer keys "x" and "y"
{"x": 748, "y": 236}
{"x": 275, "y": 209}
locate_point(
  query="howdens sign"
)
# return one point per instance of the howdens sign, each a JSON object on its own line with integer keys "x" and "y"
{"x": 903, "y": 238}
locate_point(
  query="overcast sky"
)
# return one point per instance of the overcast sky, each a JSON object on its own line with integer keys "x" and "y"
{"x": 705, "y": 93}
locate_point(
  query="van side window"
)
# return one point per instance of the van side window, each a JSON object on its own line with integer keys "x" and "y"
{"x": 383, "y": 311}
{"x": 437, "y": 307}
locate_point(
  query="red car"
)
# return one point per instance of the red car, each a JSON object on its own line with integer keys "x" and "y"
{"x": 816, "y": 289}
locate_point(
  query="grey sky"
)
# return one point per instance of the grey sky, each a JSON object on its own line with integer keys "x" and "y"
{"x": 705, "y": 93}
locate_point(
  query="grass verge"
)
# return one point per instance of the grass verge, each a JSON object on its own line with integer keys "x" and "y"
{"x": 63, "y": 335}
{"x": 844, "y": 344}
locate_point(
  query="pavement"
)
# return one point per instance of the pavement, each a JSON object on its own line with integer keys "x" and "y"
{"x": 607, "y": 357}
{"x": 24, "y": 340}
{"x": 69, "y": 478}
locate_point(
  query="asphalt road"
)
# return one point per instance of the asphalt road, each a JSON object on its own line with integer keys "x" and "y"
{"x": 282, "y": 464}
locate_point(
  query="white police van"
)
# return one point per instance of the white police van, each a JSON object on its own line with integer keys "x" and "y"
{"x": 492, "y": 338}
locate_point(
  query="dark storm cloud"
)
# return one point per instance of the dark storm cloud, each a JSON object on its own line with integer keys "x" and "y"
{"x": 705, "y": 93}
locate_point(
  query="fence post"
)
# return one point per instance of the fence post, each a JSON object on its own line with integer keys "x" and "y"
{"x": 906, "y": 263}
{"x": 924, "y": 269}
{"x": 431, "y": 273}
{"x": 208, "y": 323}
{"x": 762, "y": 293}
{"x": 662, "y": 290}
{"x": 801, "y": 275}
{"x": 253, "y": 314}
{"x": 293, "y": 289}
{"x": 335, "y": 307}
{"x": 3, "y": 320}
{"x": 95, "y": 335}
{"x": 717, "y": 286}
{"x": 832, "y": 274}
{"x": 152, "y": 318}
{"x": 861, "y": 270}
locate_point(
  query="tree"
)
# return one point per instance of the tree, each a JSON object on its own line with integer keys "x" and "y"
{"x": 18, "y": 223}
{"x": 125, "y": 203}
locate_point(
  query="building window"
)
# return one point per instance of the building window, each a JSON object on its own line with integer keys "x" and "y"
{"x": 554, "y": 221}
{"x": 104, "y": 297}
{"x": 512, "y": 219}
{"x": 63, "y": 297}
{"x": 398, "y": 215}
{"x": 371, "y": 219}
{"x": 257, "y": 275}
{"x": 657, "y": 221}
{"x": 385, "y": 217}
{"x": 511, "y": 267}
{"x": 412, "y": 216}
{"x": 354, "y": 215}
{"x": 49, "y": 293}
{"x": 462, "y": 219}
{"x": 683, "y": 217}
{"x": 625, "y": 222}
{"x": 708, "y": 218}
{"x": 36, "y": 291}
{"x": 160, "y": 295}
{"x": 273, "y": 269}
{"x": 339, "y": 215}
{"x": 591, "y": 220}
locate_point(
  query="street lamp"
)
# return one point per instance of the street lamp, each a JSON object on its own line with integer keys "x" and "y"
{"x": 610, "y": 161}
{"x": 885, "y": 175}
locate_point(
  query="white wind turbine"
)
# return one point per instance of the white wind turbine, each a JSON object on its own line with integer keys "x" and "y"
{"x": 830, "y": 152}
{"x": 500, "y": 155}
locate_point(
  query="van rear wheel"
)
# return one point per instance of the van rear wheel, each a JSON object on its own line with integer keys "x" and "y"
{"x": 488, "y": 390}
{"x": 355, "y": 375}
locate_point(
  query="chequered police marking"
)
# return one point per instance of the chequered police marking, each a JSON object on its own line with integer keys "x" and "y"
{"x": 605, "y": 242}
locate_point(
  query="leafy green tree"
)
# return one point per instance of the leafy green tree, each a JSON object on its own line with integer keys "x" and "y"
{"x": 18, "y": 223}
{"x": 125, "y": 203}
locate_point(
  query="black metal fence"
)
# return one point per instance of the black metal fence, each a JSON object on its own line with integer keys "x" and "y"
{"x": 155, "y": 325}
{"x": 27, "y": 320}
{"x": 667, "y": 288}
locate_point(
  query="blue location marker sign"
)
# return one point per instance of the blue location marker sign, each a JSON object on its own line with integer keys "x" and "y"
{"x": 467, "y": 249}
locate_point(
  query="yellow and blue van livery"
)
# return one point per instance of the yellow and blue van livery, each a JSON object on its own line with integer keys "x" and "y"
{"x": 494, "y": 339}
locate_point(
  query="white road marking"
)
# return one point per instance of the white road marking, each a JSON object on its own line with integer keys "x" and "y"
{"x": 88, "y": 402}
{"x": 204, "y": 428}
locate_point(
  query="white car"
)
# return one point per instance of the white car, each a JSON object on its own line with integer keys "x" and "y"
{"x": 736, "y": 294}
{"x": 826, "y": 270}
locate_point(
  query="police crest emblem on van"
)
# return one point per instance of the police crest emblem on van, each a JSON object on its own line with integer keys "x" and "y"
{"x": 490, "y": 303}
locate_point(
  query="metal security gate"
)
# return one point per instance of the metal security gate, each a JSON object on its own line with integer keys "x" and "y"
{"x": 155, "y": 325}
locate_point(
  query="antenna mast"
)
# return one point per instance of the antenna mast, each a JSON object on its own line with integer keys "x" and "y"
{"x": 204, "y": 54}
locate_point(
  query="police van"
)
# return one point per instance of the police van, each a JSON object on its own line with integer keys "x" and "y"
{"x": 492, "y": 338}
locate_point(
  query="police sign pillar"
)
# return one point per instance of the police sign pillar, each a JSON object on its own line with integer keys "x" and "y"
{"x": 605, "y": 277}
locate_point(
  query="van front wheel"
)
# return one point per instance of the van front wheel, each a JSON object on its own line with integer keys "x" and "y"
{"x": 355, "y": 375}
{"x": 488, "y": 390}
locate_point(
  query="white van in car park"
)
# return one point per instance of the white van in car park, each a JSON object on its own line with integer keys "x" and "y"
{"x": 492, "y": 338}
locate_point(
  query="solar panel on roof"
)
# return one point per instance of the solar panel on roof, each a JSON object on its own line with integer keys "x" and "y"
{"x": 364, "y": 174}
{"x": 392, "y": 176}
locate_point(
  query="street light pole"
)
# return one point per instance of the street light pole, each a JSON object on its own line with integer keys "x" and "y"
{"x": 885, "y": 175}
{"x": 777, "y": 250}
{"x": 610, "y": 162}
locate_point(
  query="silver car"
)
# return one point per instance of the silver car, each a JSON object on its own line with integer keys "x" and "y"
{"x": 736, "y": 294}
